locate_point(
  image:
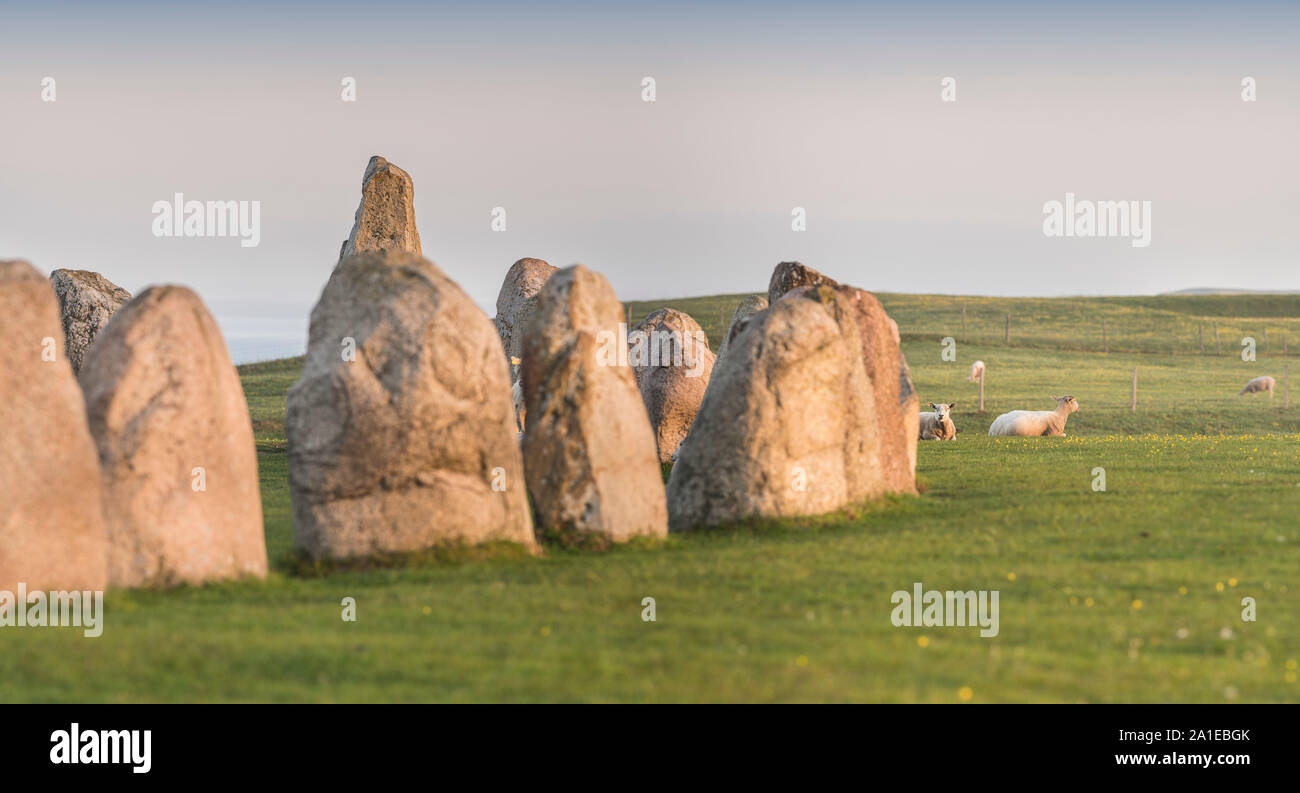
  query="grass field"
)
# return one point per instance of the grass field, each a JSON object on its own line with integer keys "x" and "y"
{"x": 1132, "y": 594}
{"x": 1157, "y": 325}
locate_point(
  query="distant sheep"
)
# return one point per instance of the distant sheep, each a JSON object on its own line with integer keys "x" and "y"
{"x": 1032, "y": 423}
{"x": 1262, "y": 383}
{"x": 938, "y": 426}
{"x": 976, "y": 372}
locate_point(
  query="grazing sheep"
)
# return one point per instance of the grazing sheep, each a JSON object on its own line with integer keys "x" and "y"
{"x": 1031, "y": 423}
{"x": 1262, "y": 383}
{"x": 976, "y": 372}
{"x": 938, "y": 426}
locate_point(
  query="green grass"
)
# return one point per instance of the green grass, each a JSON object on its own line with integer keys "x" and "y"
{"x": 1158, "y": 324}
{"x": 1176, "y": 395}
{"x": 1203, "y": 489}
{"x": 265, "y": 387}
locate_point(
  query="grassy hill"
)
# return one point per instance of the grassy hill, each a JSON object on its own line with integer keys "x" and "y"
{"x": 1156, "y": 325}
{"x": 1131, "y": 594}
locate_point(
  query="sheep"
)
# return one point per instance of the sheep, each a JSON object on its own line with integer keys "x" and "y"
{"x": 1031, "y": 423}
{"x": 938, "y": 426}
{"x": 976, "y": 372}
{"x": 1262, "y": 383}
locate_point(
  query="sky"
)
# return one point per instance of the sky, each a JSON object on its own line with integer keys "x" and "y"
{"x": 759, "y": 108}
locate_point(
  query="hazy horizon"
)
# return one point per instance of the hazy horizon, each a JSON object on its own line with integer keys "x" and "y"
{"x": 832, "y": 107}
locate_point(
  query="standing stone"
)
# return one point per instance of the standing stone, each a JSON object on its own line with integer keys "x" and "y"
{"x": 792, "y": 275}
{"x": 670, "y": 357}
{"x": 898, "y": 406}
{"x": 181, "y": 490}
{"x": 898, "y": 414}
{"x": 912, "y": 416}
{"x": 589, "y": 451}
{"x": 87, "y": 301}
{"x": 788, "y": 426}
{"x": 386, "y": 216}
{"x": 747, "y": 308}
{"x": 51, "y": 517}
{"x": 518, "y": 299}
{"x": 401, "y": 430}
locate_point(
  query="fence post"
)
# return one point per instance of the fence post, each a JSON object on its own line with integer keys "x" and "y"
{"x": 1217, "y": 351}
{"x": 981, "y": 390}
{"x": 1133, "y": 405}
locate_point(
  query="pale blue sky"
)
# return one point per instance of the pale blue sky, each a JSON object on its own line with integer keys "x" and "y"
{"x": 761, "y": 108}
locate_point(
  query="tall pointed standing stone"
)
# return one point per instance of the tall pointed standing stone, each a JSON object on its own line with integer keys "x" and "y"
{"x": 385, "y": 218}
{"x": 52, "y": 532}
{"x": 589, "y": 451}
{"x": 87, "y": 300}
{"x": 168, "y": 414}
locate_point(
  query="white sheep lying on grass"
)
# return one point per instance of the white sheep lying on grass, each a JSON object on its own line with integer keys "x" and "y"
{"x": 1263, "y": 383}
{"x": 1031, "y": 423}
{"x": 938, "y": 426}
{"x": 976, "y": 372}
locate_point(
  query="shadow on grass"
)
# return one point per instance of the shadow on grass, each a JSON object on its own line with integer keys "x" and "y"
{"x": 552, "y": 542}
{"x": 848, "y": 518}
{"x": 300, "y": 565}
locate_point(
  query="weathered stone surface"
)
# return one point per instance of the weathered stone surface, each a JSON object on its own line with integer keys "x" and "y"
{"x": 788, "y": 276}
{"x": 168, "y": 415}
{"x": 517, "y": 300}
{"x": 670, "y": 357}
{"x": 898, "y": 414}
{"x": 589, "y": 451}
{"x": 87, "y": 300}
{"x": 907, "y": 395}
{"x": 788, "y": 426}
{"x": 897, "y": 405}
{"x": 747, "y": 308}
{"x": 401, "y": 447}
{"x": 385, "y": 218}
{"x": 52, "y": 532}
